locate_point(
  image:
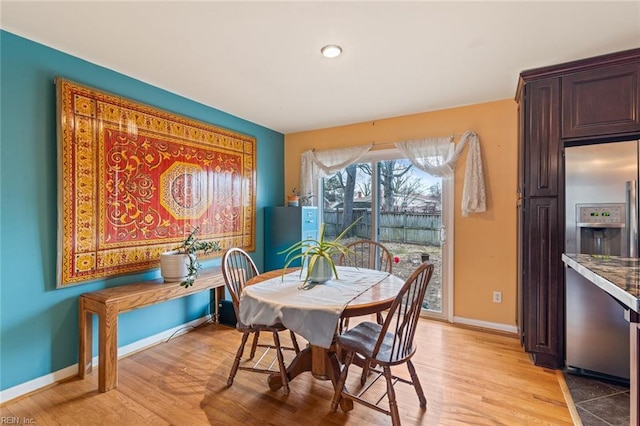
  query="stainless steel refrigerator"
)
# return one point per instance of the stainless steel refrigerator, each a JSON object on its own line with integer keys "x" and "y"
{"x": 601, "y": 212}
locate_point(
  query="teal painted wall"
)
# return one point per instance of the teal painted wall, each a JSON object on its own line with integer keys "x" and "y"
{"x": 39, "y": 323}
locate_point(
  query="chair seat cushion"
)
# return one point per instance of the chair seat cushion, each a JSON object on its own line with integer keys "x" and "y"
{"x": 362, "y": 339}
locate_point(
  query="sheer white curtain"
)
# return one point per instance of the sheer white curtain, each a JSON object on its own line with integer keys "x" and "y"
{"x": 438, "y": 157}
{"x": 317, "y": 164}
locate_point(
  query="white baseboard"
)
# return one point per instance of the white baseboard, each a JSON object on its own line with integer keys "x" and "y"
{"x": 38, "y": 383}
{"x": 485, "y": 324}
{"x": 57, "y": 376}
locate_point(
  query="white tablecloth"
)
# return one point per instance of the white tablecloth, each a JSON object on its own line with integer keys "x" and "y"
{"x": 313, "y": 310}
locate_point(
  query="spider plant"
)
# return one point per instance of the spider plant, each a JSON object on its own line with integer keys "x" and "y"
{"x": 311, "y": 251}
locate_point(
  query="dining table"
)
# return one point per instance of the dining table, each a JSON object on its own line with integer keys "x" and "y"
{"x": 314, "y": 310}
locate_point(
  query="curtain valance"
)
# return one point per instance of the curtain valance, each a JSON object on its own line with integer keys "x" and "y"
{"x": 316, "y": 164}
{"x": 436, "y": 156}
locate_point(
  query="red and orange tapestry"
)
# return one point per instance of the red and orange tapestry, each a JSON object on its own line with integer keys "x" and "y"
{"x": 133, "y": 181}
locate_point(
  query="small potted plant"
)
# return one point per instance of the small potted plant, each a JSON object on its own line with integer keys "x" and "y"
{"x": 317, "y": 255}
{"x": 181, "y": 263}
{"x": 293, "y": 200}
{"x": 296, "y": 200}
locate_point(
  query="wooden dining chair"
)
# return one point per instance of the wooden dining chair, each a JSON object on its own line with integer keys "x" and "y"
{"x": 367, "y": 254}
{"x": 387, "y": 345}
{"x": 237, "y": 269}
{"x": 371, "y": 255}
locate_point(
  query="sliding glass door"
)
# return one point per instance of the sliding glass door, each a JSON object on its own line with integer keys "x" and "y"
{"x": 401, "y": 207}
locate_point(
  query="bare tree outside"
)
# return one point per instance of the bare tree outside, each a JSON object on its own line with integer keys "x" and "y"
{"x": 410, "y": 214}
{"x": 341, "y": 189}
{"x": 349, "y": 190}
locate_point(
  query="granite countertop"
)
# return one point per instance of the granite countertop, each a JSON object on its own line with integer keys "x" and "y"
{"x": 618, "y": 276}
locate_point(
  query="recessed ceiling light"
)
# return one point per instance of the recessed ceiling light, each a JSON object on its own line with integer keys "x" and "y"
{"x": 331, "y": 51}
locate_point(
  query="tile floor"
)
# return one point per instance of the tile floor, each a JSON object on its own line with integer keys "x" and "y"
{"x": 599, "y": 402}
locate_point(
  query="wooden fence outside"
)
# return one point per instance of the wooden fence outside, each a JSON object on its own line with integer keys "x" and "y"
{"x": 395, "y": 227}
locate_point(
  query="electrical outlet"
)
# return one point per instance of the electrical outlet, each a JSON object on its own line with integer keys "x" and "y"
{"x": 497, "y": 297}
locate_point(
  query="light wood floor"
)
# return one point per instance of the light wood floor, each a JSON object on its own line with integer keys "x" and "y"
{"x": 469, "y": 377}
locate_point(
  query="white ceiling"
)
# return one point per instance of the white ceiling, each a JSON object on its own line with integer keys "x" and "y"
{"x": 261, "y": 60}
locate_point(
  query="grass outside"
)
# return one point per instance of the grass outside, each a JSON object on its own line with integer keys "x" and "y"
{"x": 408, "y": 258}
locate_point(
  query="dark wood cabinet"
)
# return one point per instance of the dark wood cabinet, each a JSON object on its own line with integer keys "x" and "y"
{"x": 543, "y": 298}
{"x": 542, "y": 138}
{"x": 520, "y": 234}
{"x": 539, "y": 261}
{"x": 586, "y": 101}
{"x": 601, "y": 102}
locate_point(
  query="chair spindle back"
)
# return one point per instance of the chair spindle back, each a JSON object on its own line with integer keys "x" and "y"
{"x": 403, "y": 316}
{"x": 367, "y": 254}
{"x": 237, "y": 269}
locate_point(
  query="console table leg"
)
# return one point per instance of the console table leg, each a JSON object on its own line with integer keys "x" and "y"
{"x": 85, "y": 333}
{"x": 108, "y": 349}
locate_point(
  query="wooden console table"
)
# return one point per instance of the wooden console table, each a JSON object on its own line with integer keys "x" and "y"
{"x": 108, "y": 303}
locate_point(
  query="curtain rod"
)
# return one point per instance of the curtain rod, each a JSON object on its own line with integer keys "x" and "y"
{"x": 374, "y": 143}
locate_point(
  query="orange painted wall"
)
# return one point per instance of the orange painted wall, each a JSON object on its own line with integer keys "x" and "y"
{"x": 485, "y": 243}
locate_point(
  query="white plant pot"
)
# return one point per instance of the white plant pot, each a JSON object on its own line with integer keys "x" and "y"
{"x": 321, "y": 271}
{"x": 174, "y": 266}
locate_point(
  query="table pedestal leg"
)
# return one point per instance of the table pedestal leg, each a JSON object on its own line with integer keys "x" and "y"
{"x": 300, "y": 364}
{"x": 322, "y": 363}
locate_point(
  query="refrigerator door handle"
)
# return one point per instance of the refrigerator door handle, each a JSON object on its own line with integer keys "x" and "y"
{"x": 632, "y": 218}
